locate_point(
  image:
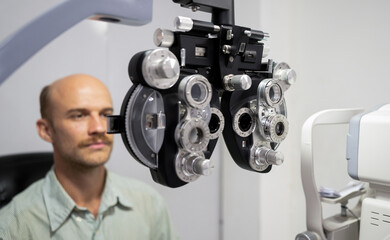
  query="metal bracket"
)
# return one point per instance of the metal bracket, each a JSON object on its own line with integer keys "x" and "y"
{"x": 19, "y": 47}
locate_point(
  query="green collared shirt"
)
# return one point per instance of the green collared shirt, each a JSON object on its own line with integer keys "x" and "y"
{"x": 129, "y": 210}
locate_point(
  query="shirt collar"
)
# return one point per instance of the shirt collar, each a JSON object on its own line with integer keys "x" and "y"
{"x": 112, "y": 194}
{"x": 59, "y": 204}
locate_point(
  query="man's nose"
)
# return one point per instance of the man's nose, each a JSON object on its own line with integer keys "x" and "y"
{"x": 97, "y": 125}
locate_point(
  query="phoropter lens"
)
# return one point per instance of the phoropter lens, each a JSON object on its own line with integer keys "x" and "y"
{"x": 199, "y": 92}
{"x": 274, "y": 128}
{"x": 214, "y": 124}
{"x": 195, "y": 91}
{"x": 269, "y": 93}
{"x": 193, "y": 135}
{"x": 279, "y": 128}
{"x": 245, "y": 122}
{"x": 196, "y": 135}
{"x": 275, "y": 93}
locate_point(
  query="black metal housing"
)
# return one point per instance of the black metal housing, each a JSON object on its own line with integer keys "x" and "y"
{"x": 222, "y": 10}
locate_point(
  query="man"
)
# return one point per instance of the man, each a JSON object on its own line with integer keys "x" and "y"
{"x": 79, "y": 198}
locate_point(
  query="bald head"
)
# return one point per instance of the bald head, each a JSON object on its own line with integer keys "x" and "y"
{"x": 74, "y": 120}
{"x": 68, "y": 88}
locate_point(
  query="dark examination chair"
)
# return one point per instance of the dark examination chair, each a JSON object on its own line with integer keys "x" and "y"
{"x": 18, "y": 171}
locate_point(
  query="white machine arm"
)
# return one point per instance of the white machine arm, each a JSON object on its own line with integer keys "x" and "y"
{"x": 19, "y": 47}
{"x": 314, "y": 219}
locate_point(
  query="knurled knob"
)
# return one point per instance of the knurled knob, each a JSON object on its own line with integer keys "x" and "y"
{"x": 268, "y": 156}
{"x": 163, "y": 38}
{"x": 203, "y": 166}
{"x": 237, "y": 82}
{"x": 288, "y": 76}
{"x": 197, "y": 165}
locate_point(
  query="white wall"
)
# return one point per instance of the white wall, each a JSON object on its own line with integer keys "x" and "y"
{"x": 240, "y": 188}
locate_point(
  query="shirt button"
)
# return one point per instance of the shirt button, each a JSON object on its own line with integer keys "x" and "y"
{"x": 78, "y": 219}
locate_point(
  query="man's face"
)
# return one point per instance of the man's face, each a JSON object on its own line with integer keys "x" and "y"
{"x": 78, "y": 123}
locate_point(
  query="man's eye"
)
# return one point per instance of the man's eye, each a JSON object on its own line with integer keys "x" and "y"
{"x": 105, "y": 114}
{"x": 78, "y": 116}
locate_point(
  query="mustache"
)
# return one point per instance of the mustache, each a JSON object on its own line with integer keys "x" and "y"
{"x": 102, "y": 139}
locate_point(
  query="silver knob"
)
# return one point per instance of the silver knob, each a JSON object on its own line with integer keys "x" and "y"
{"x": 163, "y": 38}
{"x": 183, "y": 23}
{"x": 266, "y": 156}
{"x": 307, "y": 236}
{"x": 160, "y": 68}
{"x": 274, "y": 158}
{"x": 168, "y": 68}
{"x": 284, "y": 75}
{"x": 197, "y": 165}
{"x": 289, "y": 76}
{"x": 237, "y": 82}
{"x": 203, "y": 167}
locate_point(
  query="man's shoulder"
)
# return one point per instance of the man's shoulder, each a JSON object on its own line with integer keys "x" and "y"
{"x": 23, "y": 207}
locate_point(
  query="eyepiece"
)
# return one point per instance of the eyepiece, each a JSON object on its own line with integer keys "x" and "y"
{"x": 195, "y": 91}
{"x": 269, "y": 93}
{"x": 279, "y": 128}
{"x": 244, "y": 122}
{"x": 274, "y": 128}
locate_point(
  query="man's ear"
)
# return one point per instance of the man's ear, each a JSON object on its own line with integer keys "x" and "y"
{"x": 44, "y": 130}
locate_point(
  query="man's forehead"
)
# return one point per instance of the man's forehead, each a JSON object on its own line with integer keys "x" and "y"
{"x": 82, "y": 99}
{"x": 80, "y": 92}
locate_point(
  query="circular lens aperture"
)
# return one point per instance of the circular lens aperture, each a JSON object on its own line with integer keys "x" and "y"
{"x": 195, "y": 91}
{"x": 193, "y": 135}
{"x": 270, "y": 93}
{"x": 199, "y": 92}
{"x": 279, "y": 128}
{"x": 217, "y": 123}
{"x": 196, "y": 135}
{"x": 275, "y": 93}
{"x": 274, "y": 128}
{"x": 243, "y": 122}
{"x": 214, "y": 124}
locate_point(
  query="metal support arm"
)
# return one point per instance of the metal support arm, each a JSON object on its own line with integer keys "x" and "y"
{"x": 19, "y": 47}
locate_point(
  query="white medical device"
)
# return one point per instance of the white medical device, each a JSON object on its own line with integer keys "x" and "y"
{"x": 339, "y": 226}
{"x": 369, "y": 161}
